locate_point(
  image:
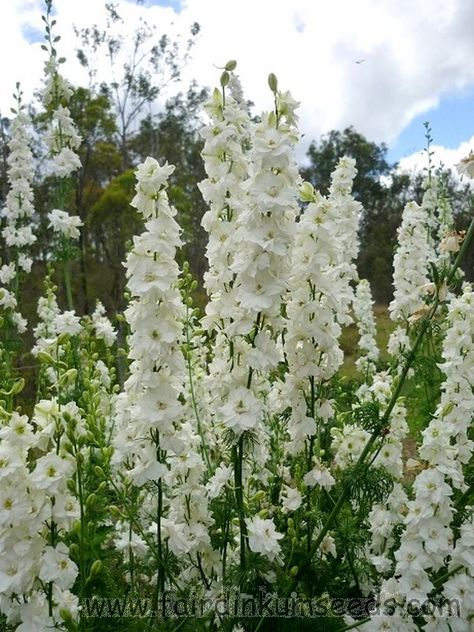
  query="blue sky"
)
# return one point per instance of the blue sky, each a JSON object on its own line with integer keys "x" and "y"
{"x": 452, "y": 122}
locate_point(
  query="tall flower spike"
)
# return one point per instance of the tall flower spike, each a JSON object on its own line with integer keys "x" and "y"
{"x": 155, "y": 315}
{"x": 319, "y": 299}
{"x": 18, "y": 213}
{"x": 362, "y": 306}
{"x": 427, "y": 541}
{"x": 62, "y": 138}
{"x": 411, "y": 263}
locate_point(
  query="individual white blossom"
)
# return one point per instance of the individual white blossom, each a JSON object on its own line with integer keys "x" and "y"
{"x": 263, "y": 537}
{"x": 64, "y": 224}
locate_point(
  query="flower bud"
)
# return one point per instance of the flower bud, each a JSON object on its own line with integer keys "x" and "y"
{"x": 273, "y": 82}
{"x": 231, "y": 65}
{"x": 99, "y": 472}
{"x": 224, "y": 78}
{"x": 18, "y": 386}
{"x": 74, "y": 551}
{"x": 63, "y": 338}
{"x": 306, "y": 192}
{"x": 44, "y": 356}
{"x": 65, "y": 615}
{"x": 96, "y": 568}
{"x": 91, "y": 500}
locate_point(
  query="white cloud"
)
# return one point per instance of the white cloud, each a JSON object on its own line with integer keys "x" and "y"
{"x": 411, "y": 52}
{"x": 441, "y": 156}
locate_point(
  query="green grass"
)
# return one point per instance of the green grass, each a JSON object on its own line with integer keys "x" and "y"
{"x": 350, "y": 341}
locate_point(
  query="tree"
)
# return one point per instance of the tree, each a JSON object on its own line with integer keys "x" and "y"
{"x": 101, "y": 161}
{"x": 140, "y": 70}
{"x": 173, "y": 135}
{"x": 381, "y": 191}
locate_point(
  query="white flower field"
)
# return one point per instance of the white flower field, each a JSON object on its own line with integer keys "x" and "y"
{"x": 214, "y": 469}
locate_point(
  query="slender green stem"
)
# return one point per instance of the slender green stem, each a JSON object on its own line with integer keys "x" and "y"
{"x": 238, "y": 454}
{"x": 204, "y": 450}
{"x": 80, "y": 490}
{"x": 67, "y": 281}
{"x": 160, "y": 580}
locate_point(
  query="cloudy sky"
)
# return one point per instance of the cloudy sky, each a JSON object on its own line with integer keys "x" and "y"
{"x": 383, "y": 66}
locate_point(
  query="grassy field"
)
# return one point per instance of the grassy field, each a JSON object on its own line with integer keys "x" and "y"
{"x": 350, "y": 340}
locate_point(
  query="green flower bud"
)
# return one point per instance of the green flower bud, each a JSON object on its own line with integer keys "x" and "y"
{"x": 99, "y": 472}
{"x": 231, "y": 65}
{"x": 259, "y": 496}
{"x": 96, "y": 569}
{"x": 225, "y": 78}
{"x": 74, "y": 551}
{"x": 273, "y": 82}
{"x": 63, "y": 338}
{"x": 18, "y": 386}
{"x": 44, "y": 356}
{"x": 65, "y": 615}
{"x": 306, "y": 192}
{"x": 91, "y": 500}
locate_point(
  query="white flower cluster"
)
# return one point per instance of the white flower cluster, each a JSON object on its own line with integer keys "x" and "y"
{"x": 45, "y": 331}
{"x": 226, "y": 166}
{"x": 428, "y": 542}
{"x": 411, "y": 263}
{"x": 152, "y": 440}
{"x": 364, "y": 317}
{"x": 226, "y": 163}
{"x": 18, "y": 213}
{"x": 62, "y": 138}
{"x": 265, "y": 225}
{"x": 103, "y": 328}
{"x": 36, "y": 506}
{"x": 252, "y": 198}
{"x": 318, "y": 302}
{"x": 155, "y": 315}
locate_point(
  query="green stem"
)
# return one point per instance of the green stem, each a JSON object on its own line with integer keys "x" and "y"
{"x": 204, "y": 450}
{"x": 67, "y": 281}
{"x": 82, "y": 519}
{"x": 238, "y": 454}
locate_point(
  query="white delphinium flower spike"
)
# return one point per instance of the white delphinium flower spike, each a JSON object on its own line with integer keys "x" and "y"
{"x": 362, "y": 306}
{"x": 18, "y": 231}
{"x": 411, "y": 263}
{"x": 319, "y": 299}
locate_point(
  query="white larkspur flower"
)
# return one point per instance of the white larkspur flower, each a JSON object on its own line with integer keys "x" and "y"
{"x": 18, "y": 231}
{"x": 263, "y": 537}
{"x": 320, "y": 295}
{"x": 57, "y": 567}
{"x": 242, "y": 411}
{"x": 67, "y": 323}
{"x": 64, "y": 224}
{"x": 104, "y": 330}
{"x": 291, "y": 499}
{"x": 319, "y": 476}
